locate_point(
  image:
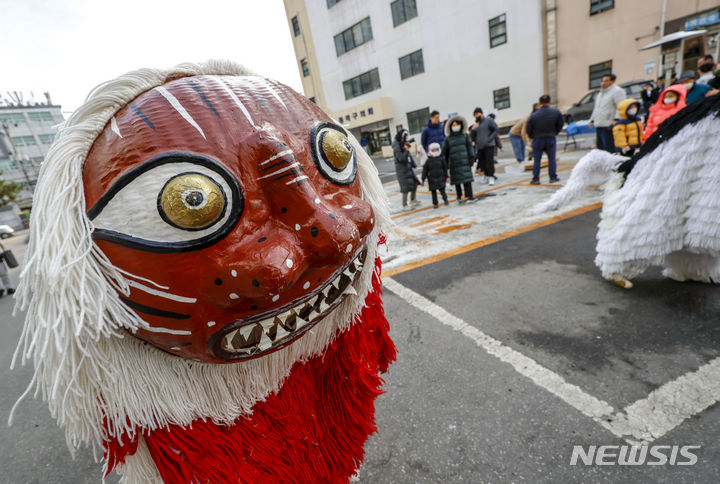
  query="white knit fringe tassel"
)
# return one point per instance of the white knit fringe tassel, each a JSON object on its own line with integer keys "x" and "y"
{"x": 86, "y": 365}
{"x": 594, "y": 163}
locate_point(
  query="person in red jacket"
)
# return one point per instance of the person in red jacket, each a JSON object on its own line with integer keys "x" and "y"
{"x": 671, "y": 101}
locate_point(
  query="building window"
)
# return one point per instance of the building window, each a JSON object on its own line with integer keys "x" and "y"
{"x": 418, "y": 119}
{"x": 331, "y": 3}
{"x": 40, "y": 117}
{"x": 24, "y": 141}
{"x": 46, "y": 139}
{"x": 305, "y": 67}
{"x": 362, "y": 84}
{"x": 597, "y": 71}
{"x": 296, "y": 26}
{"x": 356, "y": 35}
{"x": 411, "y": 64}
{"x": 13, "y": 118}
{"x": 498, "y": 31}
{"x": 402, "y": 11}
{"x": 502, "y": 98}
{"x": 597, "y": 6}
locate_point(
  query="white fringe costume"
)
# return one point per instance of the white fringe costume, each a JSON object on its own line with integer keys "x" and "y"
{"x": 86, "y": 367}
{"x": 667, "y": 212}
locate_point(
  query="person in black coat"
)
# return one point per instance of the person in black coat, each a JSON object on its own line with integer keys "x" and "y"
{"x": 543, "y": 126}
{"x": 436, "y": 173}
{"x": 404, "y": 168}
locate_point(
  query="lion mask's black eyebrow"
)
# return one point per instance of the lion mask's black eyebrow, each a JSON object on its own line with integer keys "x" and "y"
{"x": 693, "y": 113}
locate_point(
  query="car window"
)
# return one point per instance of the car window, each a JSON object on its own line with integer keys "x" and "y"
{"x": 589, "y": 97}
{"x": 633, "y": 89}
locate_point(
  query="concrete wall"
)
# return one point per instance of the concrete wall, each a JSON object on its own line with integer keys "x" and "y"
{"x": 461, "y": 71}
{"x": 616, "y": 34}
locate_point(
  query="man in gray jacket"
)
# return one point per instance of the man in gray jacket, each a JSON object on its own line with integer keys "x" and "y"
{"x": 605, "y": 112}
{"x": 483, "y": 135}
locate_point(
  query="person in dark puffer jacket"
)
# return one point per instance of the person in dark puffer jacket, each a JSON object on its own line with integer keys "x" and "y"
{"x": 435, "y": 172}
{"x": 404, "y": 169}
{"x": 458, "y": 152}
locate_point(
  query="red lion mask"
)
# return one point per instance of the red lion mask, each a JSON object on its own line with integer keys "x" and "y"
{"x": 233, "y": 226}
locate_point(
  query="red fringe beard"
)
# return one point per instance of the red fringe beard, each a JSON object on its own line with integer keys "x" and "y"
{"x": 312, "y": 430}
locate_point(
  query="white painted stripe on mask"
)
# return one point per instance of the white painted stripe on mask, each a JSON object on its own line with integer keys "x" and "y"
{"x": 130, "y": 274}
{"x": 275, "y": 157}
{"x": 274, "y": 93}
{"x": 179, "y": 108}
{"x": 286, "y": 168}
{"x": 114, "y": 126}
{"x": 179, "y": 332}
{"x": 237, "y": 101}
{"x": 164, "y": 294}
{"x": 296, "y": 179}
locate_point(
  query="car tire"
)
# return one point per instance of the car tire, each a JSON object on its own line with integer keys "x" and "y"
{"x": 5, "y": 236}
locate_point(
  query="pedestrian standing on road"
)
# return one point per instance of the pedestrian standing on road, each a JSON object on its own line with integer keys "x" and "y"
{"x": 628, "y": 132}
{"x": 404, "y": 169}
{"x": 498, "y": 142}
{"x": 671, "y": 101}
{"x": 604, "y": 112}
{"x": 649, "y": 95}
{"x": 457, "y": 151}
{"x": 695, "y": 90}
{"x": 4, "y": 278}
{"x": 706, "y": 66}
{"x": 482, "y": 136}
{"x": 433, "y": 132}
{"x": 543, "y": 126}
{"x": 518, "y": 137}
{"x": 436, "y": 173}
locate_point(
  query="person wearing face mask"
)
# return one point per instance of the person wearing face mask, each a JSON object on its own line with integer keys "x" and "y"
{"x": 706, "y": 65}
{"x": 695, "y": 90}
{"x": 670, "y": 102}
{"x": 482, "y": 135}
{"x": 457, "y": 151}
{"x": 436, "y": 173}
{"x": 404, "y": 169}
{"x": 628, "y": 132}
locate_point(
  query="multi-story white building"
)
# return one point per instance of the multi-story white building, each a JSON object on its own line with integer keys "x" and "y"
{"x": 377, "y": 64}
{"x": 26, "y": 133}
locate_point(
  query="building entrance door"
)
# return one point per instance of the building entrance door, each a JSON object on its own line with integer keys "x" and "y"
{"x": 377, "y": 139}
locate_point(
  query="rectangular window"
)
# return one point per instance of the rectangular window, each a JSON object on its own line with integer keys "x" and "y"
{"x": 356, "y": 35}
{"x": 418, "y": 119}
{"x": 13, "y": 118}
{"x": 24, "y": 141}
{"x": 40, "y": 117}
{"x": 46, "y": 139}
{"x": 502, "y": 98}
{"x": 296, "y": 26}
{"x": 362, "y": 84}
{"x": 411, "y": 64}
{"x": 331, "y": 3}
{"x": 498, "y": 31}
{"x": 402, "y": 11}
{"x": 597, "y": 6}
{"x": 597, "y": 71}
{"x": 305, "y": 68}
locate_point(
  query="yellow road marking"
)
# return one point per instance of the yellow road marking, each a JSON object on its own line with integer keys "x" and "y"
{"x": 490, "y": 240}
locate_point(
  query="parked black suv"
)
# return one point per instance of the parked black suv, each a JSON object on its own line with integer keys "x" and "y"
{"x": 583, "y": 108}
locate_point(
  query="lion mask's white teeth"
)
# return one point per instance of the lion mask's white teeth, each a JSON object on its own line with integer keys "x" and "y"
{"x": 258, "y": 337}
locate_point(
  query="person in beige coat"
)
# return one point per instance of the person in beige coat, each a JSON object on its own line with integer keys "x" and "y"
{"x": 519, "y": 137}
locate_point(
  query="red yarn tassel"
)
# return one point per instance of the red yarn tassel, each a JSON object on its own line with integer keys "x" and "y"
{"x": 312, "y": 430}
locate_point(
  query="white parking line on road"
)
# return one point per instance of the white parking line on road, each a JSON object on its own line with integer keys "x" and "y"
{"x": 671, "y": 404}
{"x": 639, "y": 423}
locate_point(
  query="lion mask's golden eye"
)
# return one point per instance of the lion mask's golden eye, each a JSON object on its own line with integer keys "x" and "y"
{"x": 337, "y": 149}
{"x": 191, "y": 201}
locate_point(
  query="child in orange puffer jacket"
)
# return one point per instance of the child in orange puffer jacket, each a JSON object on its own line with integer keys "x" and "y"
{"x": 671, "y": 101}
{"x": 628, "y": 132}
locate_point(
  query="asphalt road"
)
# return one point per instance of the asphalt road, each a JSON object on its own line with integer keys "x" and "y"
{"x": 452, "y": 412}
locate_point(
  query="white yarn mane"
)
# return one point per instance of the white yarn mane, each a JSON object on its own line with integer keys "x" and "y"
{"x": 87, "y": 367}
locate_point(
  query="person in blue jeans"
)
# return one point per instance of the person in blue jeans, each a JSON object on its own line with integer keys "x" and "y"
{"x": 543, "y": 126}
